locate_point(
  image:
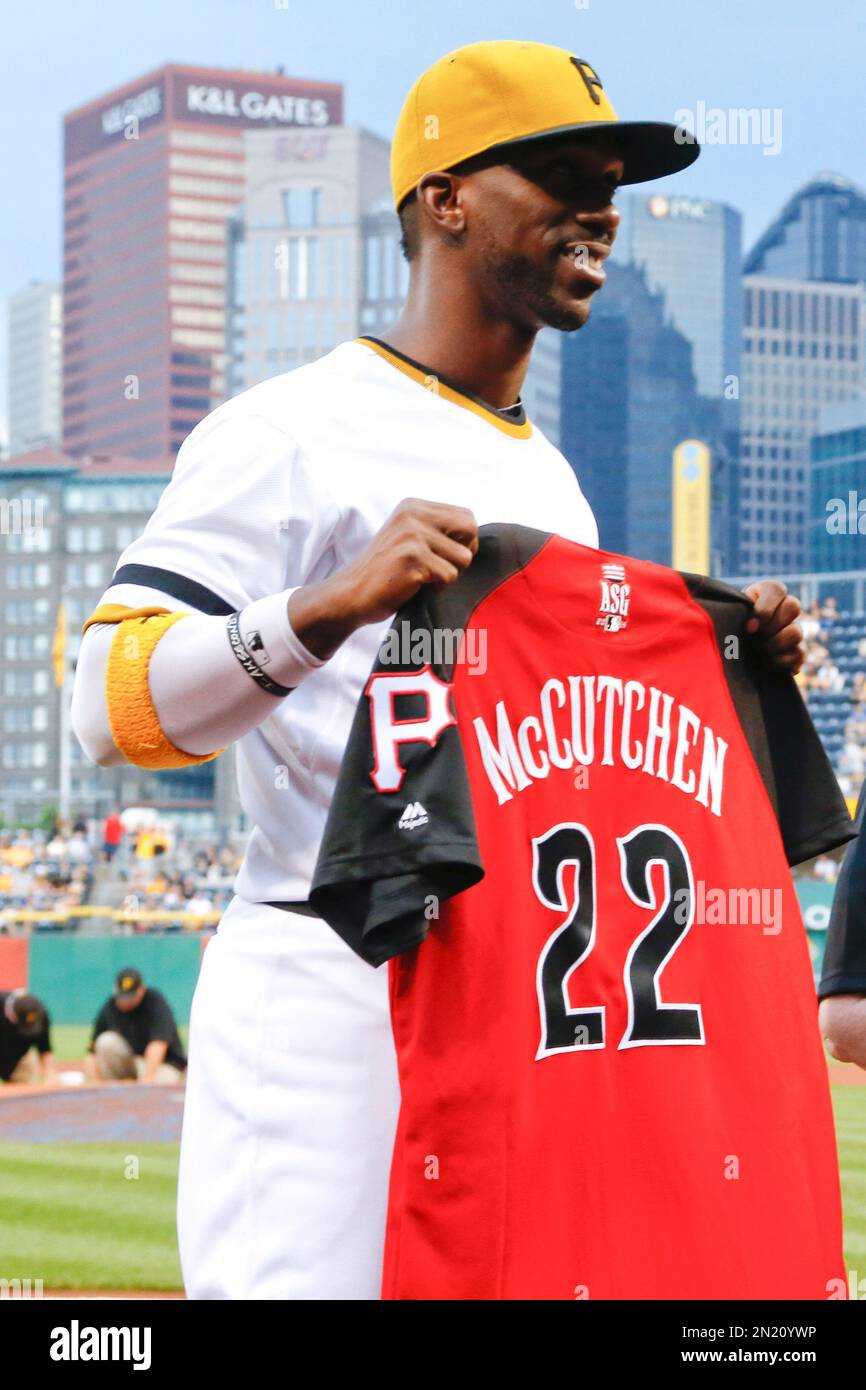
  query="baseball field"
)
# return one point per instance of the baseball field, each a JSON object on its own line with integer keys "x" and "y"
{"x": 100, "y": 1216}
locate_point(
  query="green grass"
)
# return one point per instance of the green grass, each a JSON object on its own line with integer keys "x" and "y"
{"x": 70, "y": 1215}
{"x": 70, "y": 1040}
{"x": 849, "y": 1103}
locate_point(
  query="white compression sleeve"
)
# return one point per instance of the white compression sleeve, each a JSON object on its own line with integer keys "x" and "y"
{"x": 202, "y": 695}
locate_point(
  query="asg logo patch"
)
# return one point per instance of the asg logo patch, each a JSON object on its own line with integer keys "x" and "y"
{"x": 615, "y": 599}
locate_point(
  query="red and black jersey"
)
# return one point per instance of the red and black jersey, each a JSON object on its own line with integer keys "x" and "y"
{"x": 565, "y": 816}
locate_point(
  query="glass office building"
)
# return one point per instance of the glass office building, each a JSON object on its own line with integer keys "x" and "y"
{"x": 34, "y": 330}
{"x": 691, "y": 250}
{"x": 153, "y": 173}
{"x": 820, "y": 234}
{"x": 837, "y": 501}
{"x": 628, "y": 398}
{"x": 314, "y": 254}
{"x": 802, "y": 350}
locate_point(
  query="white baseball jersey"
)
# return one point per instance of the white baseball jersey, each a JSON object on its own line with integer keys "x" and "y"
{"x": 286, "y": 483}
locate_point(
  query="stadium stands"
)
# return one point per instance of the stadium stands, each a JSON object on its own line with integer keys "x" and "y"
{"x": 833, "y": 681}
{"x": 44, "y": 874}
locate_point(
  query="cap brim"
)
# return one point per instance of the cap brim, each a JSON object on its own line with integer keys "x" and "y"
{"x": 650, "y": 149}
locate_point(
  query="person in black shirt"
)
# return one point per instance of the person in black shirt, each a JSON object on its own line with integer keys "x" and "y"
{"x": 135, "y": 1036}
{"x": 842, "y": 991}
{"x": 25, "y": 1025}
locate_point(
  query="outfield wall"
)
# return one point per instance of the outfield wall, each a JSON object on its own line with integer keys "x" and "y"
{"x": 74, "y": 974}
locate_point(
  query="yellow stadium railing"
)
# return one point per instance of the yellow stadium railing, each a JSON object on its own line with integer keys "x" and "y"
{"x": 28, "y": 914}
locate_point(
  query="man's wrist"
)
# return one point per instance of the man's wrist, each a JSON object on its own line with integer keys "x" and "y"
{"x": 323, "y": 615}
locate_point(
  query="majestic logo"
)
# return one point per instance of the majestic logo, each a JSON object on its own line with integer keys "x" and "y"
{"x": 413, "y": 816}
{"x": 615, "y": 599}
{"x": 389, "y": 733}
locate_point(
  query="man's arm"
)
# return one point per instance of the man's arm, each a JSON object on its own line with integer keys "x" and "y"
{"x": 154, "y": 1056}
{"x": 91, "y": 1070}
{"x": 203, "y": 697}
{"x": 49, "y": 1069}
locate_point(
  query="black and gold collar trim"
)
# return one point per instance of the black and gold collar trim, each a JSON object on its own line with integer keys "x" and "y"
{"x": 517, "y": 425}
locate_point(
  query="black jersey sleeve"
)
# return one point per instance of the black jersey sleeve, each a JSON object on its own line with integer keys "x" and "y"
{"x": 844, "y": 968}
{"x": 789, "y": 755}
{"x": 400, "y": 834}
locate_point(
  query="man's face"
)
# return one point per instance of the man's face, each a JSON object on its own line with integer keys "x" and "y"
{"x": 127, "y": 1002}
{"x": 540, "y": 228}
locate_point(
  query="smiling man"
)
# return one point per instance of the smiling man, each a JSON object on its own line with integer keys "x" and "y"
{"x": 251, "y": 610}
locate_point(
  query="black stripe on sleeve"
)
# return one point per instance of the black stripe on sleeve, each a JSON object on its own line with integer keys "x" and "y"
{"x": 177, "y": 586}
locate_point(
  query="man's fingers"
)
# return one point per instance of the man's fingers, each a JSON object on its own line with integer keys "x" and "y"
{"x": 457, "y": 522}
{"x": 441, "y": 571}
{"x": 774, "y": 609}
{"x": 789, "y": 639}
{"x": 458, "y": 554}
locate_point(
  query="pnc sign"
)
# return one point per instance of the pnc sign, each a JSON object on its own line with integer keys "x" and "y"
{"x": 697, "y": 209}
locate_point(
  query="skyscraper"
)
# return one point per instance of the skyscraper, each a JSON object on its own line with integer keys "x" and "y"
{"x": 628, "y": 399}
{"x": 820, "y": 234}
{"x": 153, "y": 171}
{"x": 34, "y": 343}
{"x": 802, "y": 350}
{"x": 314, "y": 249}
{"x": 691, "y": 250}
{"x": 837, "y": 508}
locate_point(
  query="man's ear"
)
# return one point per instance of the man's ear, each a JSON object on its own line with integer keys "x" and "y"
{"x": 439, "y": 201}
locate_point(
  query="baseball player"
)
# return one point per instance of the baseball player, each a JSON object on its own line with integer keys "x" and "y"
{"x": 300, "y": 516}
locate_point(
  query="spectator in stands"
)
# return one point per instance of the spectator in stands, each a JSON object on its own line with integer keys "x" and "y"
{"x": 112, "y": 835}
{"x": 78, "y": 848}
{"x": 825, "y": 869}
{"x": 39, "y": 874}
{"x": 829, "y": 677}
{"x": 810, "y": 621}
{"x": 135, "y": 1036}
{"x": 25, "y": 1040}
{"x": 851, "y": 759}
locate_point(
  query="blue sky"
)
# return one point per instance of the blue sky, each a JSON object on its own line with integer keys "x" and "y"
{"x": 655, "y": 59}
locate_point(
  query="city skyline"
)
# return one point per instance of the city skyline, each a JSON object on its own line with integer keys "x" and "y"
{"x": 706, "y": 72}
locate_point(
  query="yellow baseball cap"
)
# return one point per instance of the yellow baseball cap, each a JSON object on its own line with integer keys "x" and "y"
{"x": 505, "y": 92}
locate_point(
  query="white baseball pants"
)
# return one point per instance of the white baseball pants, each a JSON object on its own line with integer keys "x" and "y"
{"x": 290, "y": 1114}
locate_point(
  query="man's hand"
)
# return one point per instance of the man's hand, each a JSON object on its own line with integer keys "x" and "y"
{"x": 420, "y": 543}
{"x": 775, "y": 622}
{"x": 154, "y": 1056}
{"x": 50, "y": 1076}
{"x": 842, "y": 1020}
